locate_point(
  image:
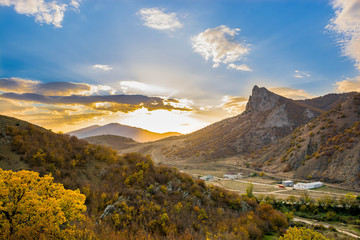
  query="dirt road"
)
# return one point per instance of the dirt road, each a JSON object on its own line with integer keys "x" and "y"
{"x": 327, "y": 225}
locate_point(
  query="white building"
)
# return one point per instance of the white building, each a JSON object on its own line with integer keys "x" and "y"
{"x": 207, "y": 177}
{"x": 232, "y": 176}
{"x": 288, "y": 183}
{"x": 308, "y": 185}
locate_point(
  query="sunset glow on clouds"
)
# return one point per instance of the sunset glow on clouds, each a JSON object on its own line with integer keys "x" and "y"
{"x": 70, "y": 64}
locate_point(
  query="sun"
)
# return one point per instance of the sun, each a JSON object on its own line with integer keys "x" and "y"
{"x": 161, "y": 121}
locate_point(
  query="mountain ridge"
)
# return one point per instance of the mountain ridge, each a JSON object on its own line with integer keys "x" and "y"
{"x": 137, "y": 134}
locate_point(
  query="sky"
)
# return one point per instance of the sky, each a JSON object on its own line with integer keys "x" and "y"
{"x": 174, "y": 65}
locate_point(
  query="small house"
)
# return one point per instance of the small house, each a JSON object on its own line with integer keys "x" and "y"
{"x": 288, "y": 183}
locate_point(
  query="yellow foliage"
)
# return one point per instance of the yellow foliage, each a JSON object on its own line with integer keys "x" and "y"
{"x": 36, "y": 207}
{"x": 302, "y": 234}
{"x": 178, "y": 207}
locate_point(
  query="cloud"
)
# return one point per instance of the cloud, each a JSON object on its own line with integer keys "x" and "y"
{"x": 102, "y": 67}
{"x": 346, "y": 24}
{"x": 292, "y": 93}
{"x": 10, "y": 106}
{"x": 18, "y": 85}
{"x": 242, "y": 67}
{"x": 234, "y": 104}
{"x": 60, "y": 105}
{"x": 48, "y": 12}
{"x": 157, "y": 19}
{"x": 61, "y": 88}
{"x": 114, "y": 103}
{"x": 135, "y": 87}
{"x": 300, "y": 74}
{"x": 219, "y": 43}
{"x": 348, "y": 85}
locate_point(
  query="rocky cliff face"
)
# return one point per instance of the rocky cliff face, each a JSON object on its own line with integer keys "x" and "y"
{"x": 262, "y": 100}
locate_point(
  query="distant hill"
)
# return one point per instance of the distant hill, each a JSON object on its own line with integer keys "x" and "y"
{"x": 116, "y": 142}
{"x": 138, "y": 134}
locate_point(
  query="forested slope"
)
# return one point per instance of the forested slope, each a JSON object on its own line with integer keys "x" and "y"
{"x": 128, "y": 197}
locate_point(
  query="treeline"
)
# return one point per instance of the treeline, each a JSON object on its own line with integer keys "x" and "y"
{"x": 345, "y": 209}
{"x": 127, "y": 197}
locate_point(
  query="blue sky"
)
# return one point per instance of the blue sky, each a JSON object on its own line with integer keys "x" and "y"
{"x": 206, "y": 55}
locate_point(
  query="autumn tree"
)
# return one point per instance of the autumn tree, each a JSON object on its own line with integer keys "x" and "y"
{"x": 34, "y": 207}
{"x": 249, "y": 190}
{"x": 302, "y": 234}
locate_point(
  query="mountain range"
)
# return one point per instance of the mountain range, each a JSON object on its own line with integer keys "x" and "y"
{"x": 137, "y": 134}
{"x": 313, "y": 139}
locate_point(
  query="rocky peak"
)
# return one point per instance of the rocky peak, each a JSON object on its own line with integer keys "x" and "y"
{"x": 262, "y": 100}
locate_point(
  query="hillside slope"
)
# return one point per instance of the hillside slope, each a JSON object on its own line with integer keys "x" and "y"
{"x": 131, "y": 198}
{"x": 138, "y": 134}
{"x": 113, "y": 141}
{"x": 327, "y": 148}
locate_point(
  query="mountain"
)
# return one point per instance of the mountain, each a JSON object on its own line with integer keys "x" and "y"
{"x": 328, "y": 101}
{"x": 138, "y": 134}
{"x": 268, "y": 117}
{"x": 327, "y": 148}
{"x": 128, "y": 196}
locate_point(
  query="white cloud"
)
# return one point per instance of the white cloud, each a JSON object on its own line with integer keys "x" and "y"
{"x": 348, "y": 85}
{"x": 102, "y": 67}
{"x": 242, "y": 67}
{"x": 135, "y": 87}
{"x": 301, "y": 74}
{"x": 158, "y": 19}
{"x": 99, "y": 90}
{"x": 346, "y": 24}
{"x": 219, "y": 43}
{"x": 48, "y": 12}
